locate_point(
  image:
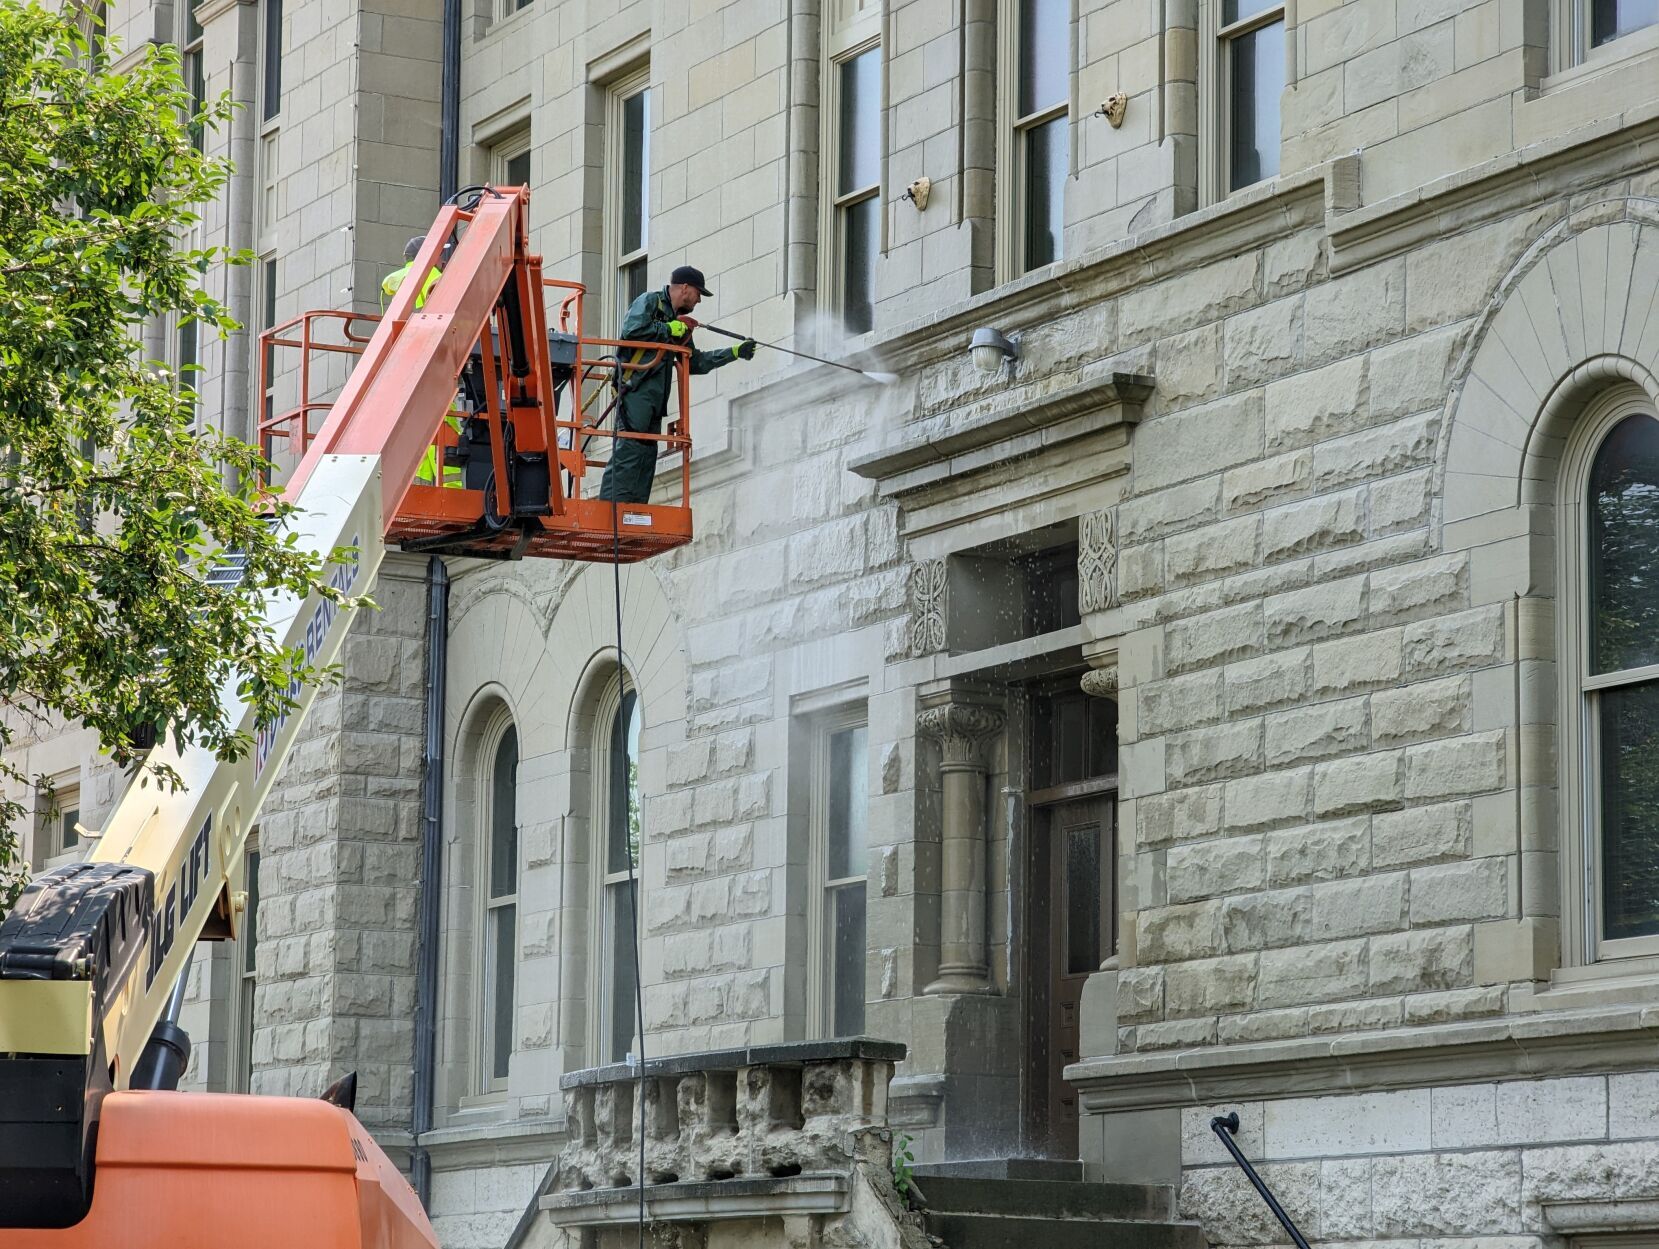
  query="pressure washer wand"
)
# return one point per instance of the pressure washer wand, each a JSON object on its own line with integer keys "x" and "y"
{"x": 886, "y": 379}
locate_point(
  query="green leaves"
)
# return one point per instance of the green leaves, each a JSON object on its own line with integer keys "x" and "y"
{"x": 113, "y": 508}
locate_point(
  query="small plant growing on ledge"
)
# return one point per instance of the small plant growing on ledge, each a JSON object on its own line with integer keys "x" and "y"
{"x": 904, "y": 1162}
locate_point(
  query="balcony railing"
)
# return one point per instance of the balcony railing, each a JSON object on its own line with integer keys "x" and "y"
{"x": 728, "y": 1134}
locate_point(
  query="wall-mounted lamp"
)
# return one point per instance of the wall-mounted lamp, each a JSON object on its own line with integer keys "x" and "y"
{"x": 991, "y": 349}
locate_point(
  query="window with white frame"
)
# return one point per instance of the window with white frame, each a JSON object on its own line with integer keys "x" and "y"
{"x": 1243, "y": 77}
{"x": 840, "y": 866}
{"x": 851, "y": 166}
{"x": 617, "y": 823}
{"x": 244, "y": 973}
{"x": 60, "y": 811}
{"x": 1594, "y": 30}
{"x": 266, "y": 300}
{"x": 1034, "y": 152}
{"x": 499, "y": 872}
{"x": 270, "y": 52}
{"x": 1610, "y": 627}
{"x": 627, "y": 212}
{"x": 508, "y": 8}
{"x": 510, "y": 160}
{"x": 191, "y": 67}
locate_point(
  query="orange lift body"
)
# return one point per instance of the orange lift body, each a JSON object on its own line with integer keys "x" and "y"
{"x": 87, "y": 1162}
{"x": 229, "y": 1171}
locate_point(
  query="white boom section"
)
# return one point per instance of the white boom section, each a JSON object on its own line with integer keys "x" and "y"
{"x": 192, "y": 838}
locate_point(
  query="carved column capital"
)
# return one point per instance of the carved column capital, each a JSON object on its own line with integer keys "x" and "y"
{"x": 1100, "y": 682}
{"x": 960, "y": 728}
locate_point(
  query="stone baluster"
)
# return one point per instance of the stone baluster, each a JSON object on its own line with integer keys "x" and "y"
{"x": 961, "y": 728}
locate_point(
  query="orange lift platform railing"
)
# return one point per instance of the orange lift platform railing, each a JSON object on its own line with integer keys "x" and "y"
{"x": 478, "y": 373}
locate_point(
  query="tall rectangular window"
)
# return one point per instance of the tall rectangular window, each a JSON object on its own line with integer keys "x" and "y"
{"x": 857, "y": 185}
{"x": 267, "y": 304}
{"x": 501, "y": 911}
{"x": 1034, "y": 133}
{"x": 839, "y": 808}
{"x": 247, "y": 966}
{"x": 510, "y": 160}
{"x": 1248, "y": 72}
{"x": 628, "y": 191}
{"x": 188, "y": 359}
{"x": 190, "y": 48}
{"x": 1601, "y": 29}
{"x": 619, "y": 973}
{"x": 270, "y": 91}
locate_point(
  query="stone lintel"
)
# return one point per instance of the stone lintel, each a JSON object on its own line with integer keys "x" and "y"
{"x": 703, "y": 1201}
{"x": 785, "y": 1054}
{"x": 1553, "y": 1043}
{"x": 943, "y": 446}
{"x": 211, "y": 9}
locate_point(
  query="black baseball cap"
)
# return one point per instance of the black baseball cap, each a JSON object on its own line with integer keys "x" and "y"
{"x": 688, "y": 276}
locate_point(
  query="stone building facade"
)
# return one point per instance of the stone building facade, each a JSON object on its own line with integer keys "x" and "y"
{"x": 1233, "y": 699}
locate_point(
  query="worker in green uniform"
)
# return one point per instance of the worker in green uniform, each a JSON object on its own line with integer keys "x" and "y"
{"x": 657, "y": 317}
{"x": 390, "y": 283}
{"x": 427, "y": 473}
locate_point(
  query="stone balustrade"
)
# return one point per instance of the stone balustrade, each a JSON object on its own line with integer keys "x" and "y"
{"x": 738, "y": 1124}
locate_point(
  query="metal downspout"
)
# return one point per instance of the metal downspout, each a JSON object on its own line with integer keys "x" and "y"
{"x": 430, "y": 899}
{"x": 449, "y": 141}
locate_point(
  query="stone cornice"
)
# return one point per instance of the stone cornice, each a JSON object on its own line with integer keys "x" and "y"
{"x": 211, "y": 9}
{"x": 1605, "y": 150}
{"x": 955, "y": 443}
{"x": 1549, "y": 1043}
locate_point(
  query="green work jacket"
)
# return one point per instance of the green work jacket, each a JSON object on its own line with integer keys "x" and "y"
{"x": 646, "y": 401}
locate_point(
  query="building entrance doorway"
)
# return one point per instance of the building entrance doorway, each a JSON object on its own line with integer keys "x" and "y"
{"x": 1070, "y": 904}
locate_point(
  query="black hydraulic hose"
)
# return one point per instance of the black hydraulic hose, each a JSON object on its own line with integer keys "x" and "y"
{"x": 1224, "y": 1126}
{"x": 515, "y": 329}
{"x": 429, "y": 901}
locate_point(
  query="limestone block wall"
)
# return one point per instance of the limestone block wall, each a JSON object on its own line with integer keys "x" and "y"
{"x": 340, "y": 845}
{"x": 1524, "y": 1159}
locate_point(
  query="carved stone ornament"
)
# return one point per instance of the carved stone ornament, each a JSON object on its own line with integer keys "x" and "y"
{"x": 959, "y": 729}
{"x": 1116, "y": 105}
{"x": 1097, "y": 561}
{"x": 928, "y": 594}
{"x": 1100, "y": 682}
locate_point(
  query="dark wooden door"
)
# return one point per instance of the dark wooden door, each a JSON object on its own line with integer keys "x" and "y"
{"x": 1079, "y": 888}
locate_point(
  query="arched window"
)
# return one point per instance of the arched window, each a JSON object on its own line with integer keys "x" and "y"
{"x": 617, "y": 786}
{"x": 1614, "y": 738}
{"x": 1621, "y": 681}
{"x": 500, "y": 926}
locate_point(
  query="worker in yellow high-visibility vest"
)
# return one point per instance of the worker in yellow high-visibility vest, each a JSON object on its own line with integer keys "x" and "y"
{"x": 390, "y": 283}
{"x": 427, "y": 473}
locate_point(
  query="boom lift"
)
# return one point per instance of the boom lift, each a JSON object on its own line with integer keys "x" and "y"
{"x": 94, "y": 1149}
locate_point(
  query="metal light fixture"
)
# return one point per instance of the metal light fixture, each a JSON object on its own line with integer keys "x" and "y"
{"x": 991, "y": 349}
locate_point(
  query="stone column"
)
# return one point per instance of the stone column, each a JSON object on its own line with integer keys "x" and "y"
{"x": 961, "y": 729}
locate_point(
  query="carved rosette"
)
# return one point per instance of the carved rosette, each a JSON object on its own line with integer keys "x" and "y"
{"x": 960, "y": 729}
{"x": 1100, "y": 682}
{"x": 928, "y": 596}
{"x": 1097, "y": 561}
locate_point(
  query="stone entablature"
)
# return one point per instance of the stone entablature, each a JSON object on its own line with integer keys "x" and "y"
{"x": 729, "y": 1134}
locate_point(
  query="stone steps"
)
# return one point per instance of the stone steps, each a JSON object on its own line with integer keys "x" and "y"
{"x": 977, "y": 1206}
{"x": 984, "y": 1231}
{"x": 1045, "y": 1199}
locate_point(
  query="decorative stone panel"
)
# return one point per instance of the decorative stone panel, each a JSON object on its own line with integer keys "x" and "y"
{"x": 1097, "y": 561}
{"x": 929, "y": 600}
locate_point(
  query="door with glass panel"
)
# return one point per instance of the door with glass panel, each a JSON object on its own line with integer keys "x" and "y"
{"x": 1071, "y": 921}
